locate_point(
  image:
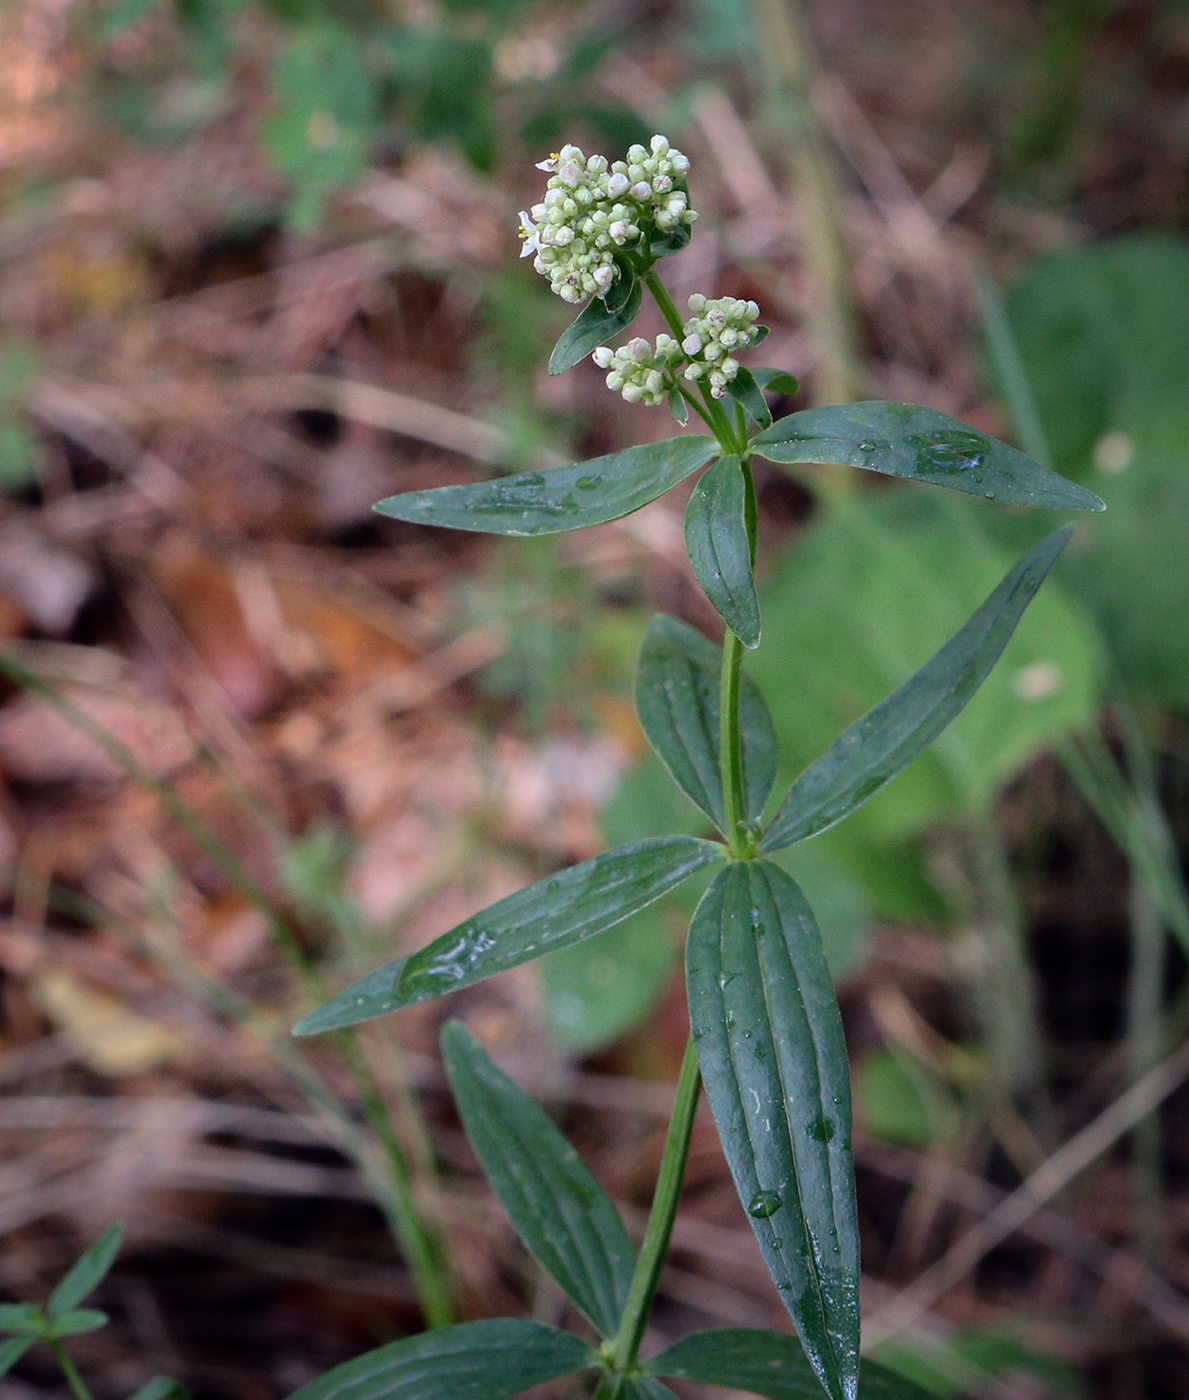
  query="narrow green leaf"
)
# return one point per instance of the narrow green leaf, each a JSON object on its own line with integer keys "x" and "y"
{"x": 643, "y": 1388}
{"x": 719, "y": 550}
{"x": 625, "y": 286}
{"x": 553, "y": 913}
{"x": 477, "y": 1360}
{"x": 678, "y": 702}
{"x": 766, "y": 1363}
{"x": 563, "y": 498}
{"x": 678, "y": 406}
{"x": 920, "y": 444}
{"x": 776, "y": 381}
{"x": 20, "y": 1317}
{"x": 11, "y": 1352}
{"x": 86, "y": 1274}
{"x": 745, "y": 389}
{"x": 81, "y": 1320}
{"x": 597, "y": 323}
{"x": 887, "y": 739}
{"x": 769, "y": 1038}
{"x": 559, "y": 1210}
{"x": 160, "y": 1388}
{"x": 663, "y": 245}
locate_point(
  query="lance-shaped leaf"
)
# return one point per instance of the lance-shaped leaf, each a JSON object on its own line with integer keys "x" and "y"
{"x": 719, "y": 550}
{"x": 597, "y": 323}
{"x": 71, "y": 1324}
{"x": 766, "y": 1363}
{"x": 553, "y": 913}
{"x": 21, "y": 1317}
{"x": 11, "y": 1352}
{"x": 745, "y": 389}
{"x": 86, "y": 1274}
{"x": 559, "y": 1210}
{"x": 773, "y": 1058}
{"x": 776, "y": 381}
{"x": 562, "y": 498}
{"x": 887, "y": 739}
{"x": 900, "y": 439}
{"x": 677, "y": 697}
{"x": 479, "y": 1360}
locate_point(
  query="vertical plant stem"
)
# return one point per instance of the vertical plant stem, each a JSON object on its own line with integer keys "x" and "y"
{"x": 661, "y": 1217}
{"x": 731, "y": 741}
{"x": 69, "y": 1370}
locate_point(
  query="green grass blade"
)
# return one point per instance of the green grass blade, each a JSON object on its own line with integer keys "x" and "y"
{"x": 677, "y": 697}
{"x": 11, "y": 1352}
{"x": 766, "y": 1363}
{"x": 769, "y": 1038}
{"x": 554, "y": 913}
{"x": 562, "y": 498}
{"x": 887, "y": 738}
{"x": 719, "y": 549}
{"x": 560, "y": 1211}
{"x": 86, "y": 1274}
{"x": 479, "y": 1360}
{"x": 920, "y": 444}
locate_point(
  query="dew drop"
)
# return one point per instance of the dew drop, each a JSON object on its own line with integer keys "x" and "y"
{"x": 764, "y": 1204}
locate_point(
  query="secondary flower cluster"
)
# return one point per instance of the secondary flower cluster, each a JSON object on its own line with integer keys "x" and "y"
{"x": 714, "y": 334}
{"x": 591, "y": 209}
{"x": 640, "y": 373}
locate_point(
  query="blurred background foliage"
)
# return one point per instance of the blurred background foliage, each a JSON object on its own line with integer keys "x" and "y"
{"x": 257, "y": 270}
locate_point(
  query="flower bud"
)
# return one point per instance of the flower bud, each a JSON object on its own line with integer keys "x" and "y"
{"x": 602, "y": 356}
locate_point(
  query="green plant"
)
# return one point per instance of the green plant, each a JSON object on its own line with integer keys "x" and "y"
{"x": 766, "y": 1035}
{"x": 27, "y": 1324}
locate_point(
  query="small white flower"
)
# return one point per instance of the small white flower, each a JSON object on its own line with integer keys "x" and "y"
{"x": 641, "y": 191}
{"x": 660, "y": 146}
{"x": 639, "y": 349}
{"x": 692, "y": 344}
{"x": 531, "y": 235}
{"x": 632, "y": 393}
{"x": 617, "y": 185}
{"x": 604, "y": 276}
{"x": 603, "y": 356}
{"x": 679, "y": 162}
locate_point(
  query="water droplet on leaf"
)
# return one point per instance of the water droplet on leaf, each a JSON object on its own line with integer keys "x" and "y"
{"x": 764, "y": 1204}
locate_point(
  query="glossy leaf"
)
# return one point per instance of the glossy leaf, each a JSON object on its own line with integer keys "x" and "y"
{"x": 678, "y": 406}
{"x": 553, "y": 913}
{"x": 559, "y": 1210}
{"x": 766, "y": 1363}
{"x": 160, "y": 1388}
{"x": 745, "y": 389}
{"x": 81, "y": 1320}
{"x": 11, "y": 1352}
{"x": 85, "y": 1275}
{"x": 562, "y": 498}
{"x": 886, "y": 740}
{"x": 776, "y": 381}
{"x": 678, "y": 702}
{"x": 920, "y": 444}
{"x": 597, "y": 323}
{"x": 769, "y": 1039}
{"x": 20, "y": 1317}
{"x": 477, "y": 1360}
{"x": 719, "y": 550}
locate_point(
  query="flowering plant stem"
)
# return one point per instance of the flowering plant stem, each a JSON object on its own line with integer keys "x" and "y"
{"x": 709, "y": 410}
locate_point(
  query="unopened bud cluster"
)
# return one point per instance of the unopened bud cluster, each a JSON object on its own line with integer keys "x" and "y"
{"x": 591, "y": 208}
{"x": 640, "y": 372}
{"x": 714, "y": 334}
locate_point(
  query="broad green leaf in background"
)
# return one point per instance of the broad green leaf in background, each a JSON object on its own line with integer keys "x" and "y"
{"x": 769, "y": 1038}
{"x": 919, "y": 444}
{"x": 86, "y": 1274}
{"x": 745, "y": 389}
{"x": 563, "y": 498}
{"x": 644, "y": 1388}
{"x": 887, "y": 739}
{"x": 601, "y": 320}
{"x": 553, "y": 913}
{"x": 896, "y": 578}
{"x": 719, "y": 549}
{"x": 766, "y": 1363}
{"x": 479, "y": 1360}
{"x": 320, "y": 134}
{"x": 677, "y": 697}
{"x": 11, "y": 1352}
{"x": 1103, "y": 334}
{"x": 559, "y": 1210}
{"x": 603, "y": 987}
{"x": 20, "y": 1317}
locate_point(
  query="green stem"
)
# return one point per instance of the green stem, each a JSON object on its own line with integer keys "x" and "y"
{"x": 660, "y": 1219}
{"x": 731, "y": 743}
{"x": 69, "y": 1370}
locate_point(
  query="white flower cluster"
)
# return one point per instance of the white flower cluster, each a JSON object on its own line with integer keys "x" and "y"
{"x": 716, "y": 331}
{"x": 591, "y": 208}
{"x": 641, "y": 373}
